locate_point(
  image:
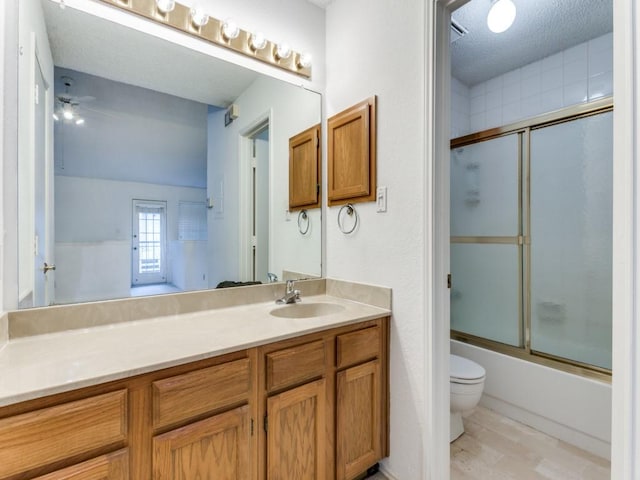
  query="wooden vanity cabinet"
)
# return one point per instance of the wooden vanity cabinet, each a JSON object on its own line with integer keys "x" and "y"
{"x": 313, "y": 407}
{"x": 112, "y": 466}
{"x": 360, "y": 394}
{"x": 325, "y": 403}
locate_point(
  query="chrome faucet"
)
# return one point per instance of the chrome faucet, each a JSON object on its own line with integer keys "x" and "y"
{"x": 290, "y": 295}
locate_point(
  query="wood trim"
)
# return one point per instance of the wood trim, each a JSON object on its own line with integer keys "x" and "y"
{"x": 112, "y": 466}
{"x": 356, "y": 188}
{"x": 27, "y": 440}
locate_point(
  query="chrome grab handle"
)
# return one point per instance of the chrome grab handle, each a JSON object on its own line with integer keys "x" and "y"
{"x": 47, "y": 267}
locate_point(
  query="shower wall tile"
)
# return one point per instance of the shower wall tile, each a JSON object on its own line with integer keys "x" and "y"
{"x": 575, "y": 75}
{"x": 600, "y": 85}
{"x": 575, "y": 93}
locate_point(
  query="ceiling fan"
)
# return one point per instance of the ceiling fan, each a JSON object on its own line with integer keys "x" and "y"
{"x": 66, "y": 108}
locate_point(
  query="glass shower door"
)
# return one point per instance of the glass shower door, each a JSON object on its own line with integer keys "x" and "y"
{"x": 486, "y": 255}
{"x": 571, "y": 238}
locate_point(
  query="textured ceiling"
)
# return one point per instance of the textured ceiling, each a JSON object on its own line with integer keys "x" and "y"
{"x": 541, "y": 28}
{"x": 86, "y": 43}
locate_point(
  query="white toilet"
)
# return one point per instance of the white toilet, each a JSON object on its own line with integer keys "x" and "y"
{"x": 466, "y": 380}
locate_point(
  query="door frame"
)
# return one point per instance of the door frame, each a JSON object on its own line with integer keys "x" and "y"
{"x": 625, "y": 444}
{"x": 245, "y": 215}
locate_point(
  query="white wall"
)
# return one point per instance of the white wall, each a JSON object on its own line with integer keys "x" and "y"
{"x": 291, "y": 110}
{"x": 93, "y": 213}
{"x": 576, "y": 75}
{"x": 365, "y": 57}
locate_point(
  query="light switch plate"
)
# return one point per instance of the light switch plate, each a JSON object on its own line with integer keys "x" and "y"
{"x": 381, "y": 199}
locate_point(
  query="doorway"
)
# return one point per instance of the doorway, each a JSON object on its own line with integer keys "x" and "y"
{"x": 255, "y": 178}
{"x": 148, "y": 242}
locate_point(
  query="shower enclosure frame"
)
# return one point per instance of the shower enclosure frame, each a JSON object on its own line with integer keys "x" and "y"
{"x": 523, "y": 239}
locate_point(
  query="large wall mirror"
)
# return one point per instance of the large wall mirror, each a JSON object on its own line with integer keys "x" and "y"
{"x": 135, "y": 178}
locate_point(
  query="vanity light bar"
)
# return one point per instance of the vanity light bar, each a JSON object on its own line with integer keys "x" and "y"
{"x": 180, "y": 18}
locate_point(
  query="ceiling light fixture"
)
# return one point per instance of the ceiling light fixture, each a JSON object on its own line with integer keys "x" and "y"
{"x": 56, "y": 117}
{"x": 230, "y": 29}
{"x": 80, "y": 121}
{"x": 501, "y": 15}
{"x": 67, "y": 114}
{"x": 199, "y": 17}
{"x": 165, "y": 6}
{"x": 191, "y": 19}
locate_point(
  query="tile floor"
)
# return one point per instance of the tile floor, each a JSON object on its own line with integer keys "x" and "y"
{"x": 497, "y": 448}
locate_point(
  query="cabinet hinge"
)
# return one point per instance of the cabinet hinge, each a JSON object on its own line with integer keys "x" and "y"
{"x": 266, "y": 423}
{"x": 252, "y": 427}
{"x": 448, "y": 280}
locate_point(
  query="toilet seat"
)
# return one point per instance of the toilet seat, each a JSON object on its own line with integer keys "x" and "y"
{"x": 464, "y": 371}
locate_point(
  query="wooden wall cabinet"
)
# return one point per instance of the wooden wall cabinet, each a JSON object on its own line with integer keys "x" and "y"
{"x": 313, "y": 407}
{"x": 352, "y": 154}
{"x": 305, "y": 171}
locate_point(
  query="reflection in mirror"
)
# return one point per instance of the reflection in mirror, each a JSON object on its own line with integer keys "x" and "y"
{"x": 146, "y": 167}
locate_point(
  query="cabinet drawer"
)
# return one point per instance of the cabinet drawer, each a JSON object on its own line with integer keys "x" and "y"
{"x": 296, "y": 364}
{"x": 112, "y": 466}
{"x": 356, "y": 347}
{"x": 45, "y": 436}
{"x": 185, "y": 396}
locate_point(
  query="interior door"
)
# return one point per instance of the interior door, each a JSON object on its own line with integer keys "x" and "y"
{"x": 43, "y": 251}
{"x": 261, "y": 206}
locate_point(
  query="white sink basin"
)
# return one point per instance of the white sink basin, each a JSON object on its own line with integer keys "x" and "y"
{"x": 306, "y": 310}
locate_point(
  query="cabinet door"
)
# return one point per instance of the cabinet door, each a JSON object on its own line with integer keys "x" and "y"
{"x": 304, "y": 169}
{"x": 296, "y": 433}
{"x": 358, "y": 426}
{"x": 213, "y": 449}
{"x": 112, "y": 466}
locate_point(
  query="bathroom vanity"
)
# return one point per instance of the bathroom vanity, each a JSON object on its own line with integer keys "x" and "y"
{"x": 253, "y": 391}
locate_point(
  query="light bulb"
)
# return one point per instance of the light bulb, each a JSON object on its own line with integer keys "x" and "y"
{"x": 230, "y": 29}
{"x": 80, "y": 121}
{"x": 199, "y": 17}
{"x": 283, "y": 51}
{"x": 304, "y": 61}
{"x": 165, "y": 6}
{"x": 67, "y": 114}
{"x": 501, "y": 15}
{"x": 56, "y": 117}
{"x": 257, "y": 41}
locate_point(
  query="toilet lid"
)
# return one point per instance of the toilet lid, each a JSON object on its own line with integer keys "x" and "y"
{"x": 464, "y": 369}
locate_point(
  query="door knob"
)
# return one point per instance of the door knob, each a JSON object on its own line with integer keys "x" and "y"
{"x": 47, "y": 267}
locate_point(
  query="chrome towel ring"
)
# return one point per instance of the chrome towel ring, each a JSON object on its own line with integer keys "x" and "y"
{"x": 303, "y": 219}
{"x": 350, "y": 212}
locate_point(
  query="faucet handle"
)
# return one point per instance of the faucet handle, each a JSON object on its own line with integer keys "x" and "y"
{"x": 290, "y": 284}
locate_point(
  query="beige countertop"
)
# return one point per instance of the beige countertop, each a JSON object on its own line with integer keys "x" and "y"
{"x": 40, "y": 365}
